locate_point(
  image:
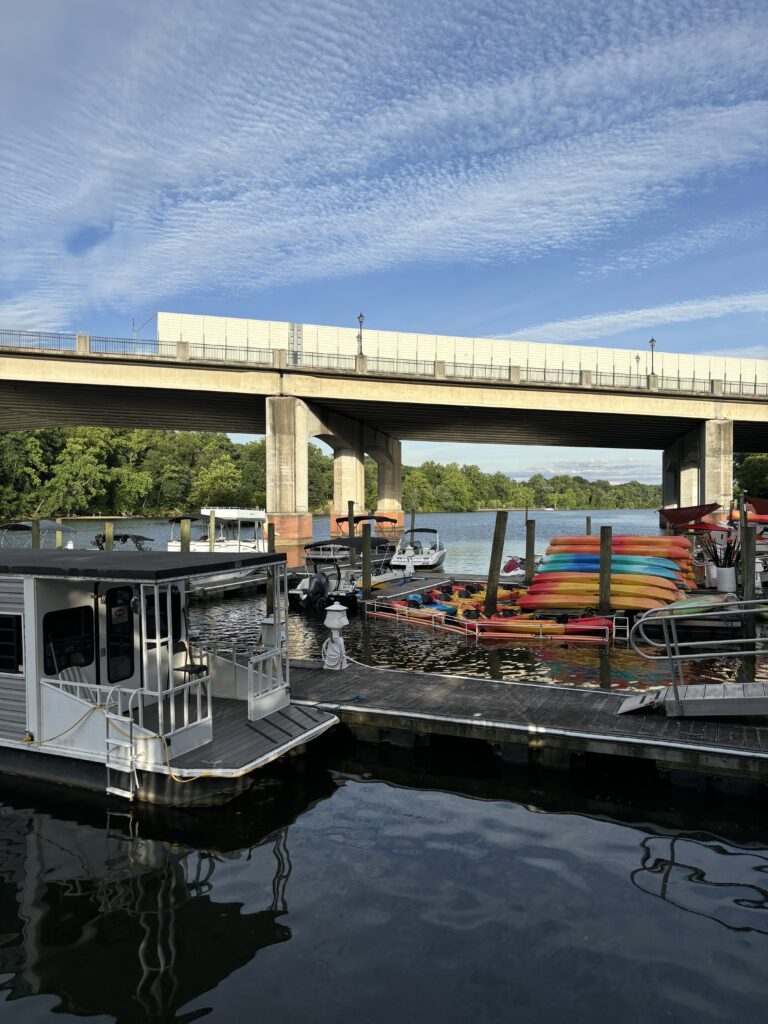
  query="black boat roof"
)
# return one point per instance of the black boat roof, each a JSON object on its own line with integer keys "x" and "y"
{"x": 180, "y": 519}
{"x": 142, "y": 566}
{"x": 25, "y": 525}
{"x": 362, "y": 519}
{"x": 347, "y": 542}
{"x": 421, "y": 529}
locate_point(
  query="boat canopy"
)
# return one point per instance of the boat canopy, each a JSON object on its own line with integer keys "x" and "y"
{"x": 25, "y": 526}
{"x": 421, "y": 529}
{"x": 367, "y": 518}
{"x": 127, "y": 565}
{"x": 689, "y": 514}
{"x": 180, "y": 519}
{"x": 244, "y": 515}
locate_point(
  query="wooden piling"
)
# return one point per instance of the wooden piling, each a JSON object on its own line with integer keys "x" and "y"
{"x": 212, "y": 531}
{"x": 109, "y": 535}
{"x": 185, "y": 535}
{"x": 367, "y": 584}
{"x": 589, "y": 526}
{"x": 413, "y": 521}
{"x": 59, "y": 536}
{"x": 497, "y": 551}
{"x": 748, "y": 558}
{"x": 606, "y": 552}
{"x": 35, "y": 533}
{"x": 530, "y": 547}
{"x": 351, "y": 529}
{"x": 270, "y": 572}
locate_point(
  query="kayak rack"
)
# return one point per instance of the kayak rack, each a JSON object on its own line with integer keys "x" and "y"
{"x": 681, "y": 700}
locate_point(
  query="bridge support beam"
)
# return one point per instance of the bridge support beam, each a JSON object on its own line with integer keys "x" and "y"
{"x": 390, "y": 481}
{"x": 698, "y": 467}
{"x": 348, "y": 482}
{"x": 287, "y": 469}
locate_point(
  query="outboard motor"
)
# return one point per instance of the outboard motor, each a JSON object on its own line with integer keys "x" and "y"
{"x": 317, "y": 592}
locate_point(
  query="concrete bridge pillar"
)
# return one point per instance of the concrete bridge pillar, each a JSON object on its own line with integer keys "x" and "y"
{"x": 390, "y": 481}
{"x": 287, "y": 466}
{"x": 348, "y": 481}
{"x": 698, "y": 467}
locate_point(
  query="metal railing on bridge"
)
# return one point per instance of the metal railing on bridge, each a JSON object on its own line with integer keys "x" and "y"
{"x": 181, "y": 351}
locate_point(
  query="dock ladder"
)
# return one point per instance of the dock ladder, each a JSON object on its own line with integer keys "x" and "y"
{"x": 120, "y": 755}
{"x": 658, "y": 633}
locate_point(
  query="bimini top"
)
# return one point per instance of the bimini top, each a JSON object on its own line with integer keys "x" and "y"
{"x": 422, "y": 529}
{"x": 366, "y": 518}
{"x": 143, "y": 566}
{"x": 25, "y": 526}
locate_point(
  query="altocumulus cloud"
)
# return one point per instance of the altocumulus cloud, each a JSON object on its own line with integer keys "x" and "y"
{"x": 232, "y": 145}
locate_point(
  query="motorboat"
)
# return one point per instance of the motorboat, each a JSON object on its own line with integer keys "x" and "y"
{"x": 385, "y": 530}
{"x": 101, "y": 685}
{"x": 235, "y": 530}
{"x": 334, "y": 572}
{"x": 427, "y": 550}
{"x": 136, "y": 540}
{"x": 18, "y": 533}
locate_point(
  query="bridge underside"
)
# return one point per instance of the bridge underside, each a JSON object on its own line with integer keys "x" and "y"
{"x": 25, "y": 405}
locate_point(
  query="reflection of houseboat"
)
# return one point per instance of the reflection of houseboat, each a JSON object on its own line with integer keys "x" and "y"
{"x": 235, "y": 530}
{"x": 100, "y": 685}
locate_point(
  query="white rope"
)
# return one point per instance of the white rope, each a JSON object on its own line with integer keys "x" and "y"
{"x": 334, "y": 654}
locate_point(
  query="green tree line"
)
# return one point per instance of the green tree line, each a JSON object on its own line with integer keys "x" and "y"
{"x": 101, "y": 471}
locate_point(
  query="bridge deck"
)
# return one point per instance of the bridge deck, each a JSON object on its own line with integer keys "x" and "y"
{"x": 533, "y": 717}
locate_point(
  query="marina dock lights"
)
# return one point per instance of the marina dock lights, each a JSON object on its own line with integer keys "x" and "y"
{"x": 361, "y": 321}
{"x": 652, "y": 343}
{"x": 637, "y": 360}
{"x": 334, "y": 654}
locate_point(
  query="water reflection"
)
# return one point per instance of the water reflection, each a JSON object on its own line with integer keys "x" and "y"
{"x": 703, "y": 877}
{"x": 115, "y": 913}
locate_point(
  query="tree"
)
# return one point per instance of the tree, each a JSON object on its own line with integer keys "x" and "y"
{"x": 752, "y": 474}
{"x": 217, "y": 483}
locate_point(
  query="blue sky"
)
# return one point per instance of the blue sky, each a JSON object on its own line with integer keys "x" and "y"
{"x": 563, "y": 171}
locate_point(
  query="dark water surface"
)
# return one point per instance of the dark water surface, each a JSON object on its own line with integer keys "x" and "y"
{"x": 384, "y": 892}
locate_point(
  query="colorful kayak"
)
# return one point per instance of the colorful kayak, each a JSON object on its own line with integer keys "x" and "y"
{"x": 588, "y": 559}
{"x": 593, "y": 577}
{"x": 640, "y": 589}
{"x": 622, "y": 538}
{"x": 625, "y": 602}
{"x": 680, "y": 555}
{"x": 616, "y": 569}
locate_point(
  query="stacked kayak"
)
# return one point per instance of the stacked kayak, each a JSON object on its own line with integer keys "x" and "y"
{"x": 646, "y": 573}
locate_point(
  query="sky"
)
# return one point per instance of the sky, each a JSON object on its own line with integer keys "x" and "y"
{"x": 579, "y": 172}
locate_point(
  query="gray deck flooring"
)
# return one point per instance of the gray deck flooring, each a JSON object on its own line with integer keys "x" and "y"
{"x": 237, "y": 742}
{"x": 442, "y": 702}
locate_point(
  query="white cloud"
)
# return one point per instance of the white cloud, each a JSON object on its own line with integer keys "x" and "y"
{"x": 234, "y": 146}
{"x": 590, "y": 327}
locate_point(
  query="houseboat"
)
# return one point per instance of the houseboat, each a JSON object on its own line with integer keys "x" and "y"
{"x": 101, "y": 686}
{"x": 234, "y": 530}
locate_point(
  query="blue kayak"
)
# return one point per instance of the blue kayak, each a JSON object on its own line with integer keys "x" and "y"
{"x": 586, "y": 559}
{"x": 635, "y": 570}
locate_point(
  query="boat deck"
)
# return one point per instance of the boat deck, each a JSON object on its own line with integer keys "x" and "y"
{"x": 238, "y": 743}
{"x": 550, "y": 723}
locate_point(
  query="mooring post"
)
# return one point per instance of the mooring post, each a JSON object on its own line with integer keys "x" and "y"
{"x": 351, "y": 528}
{"x": 185, "y": 536}
{"x": 589, "y": 526}
{"x": 413, "y": 521}
{"x": 497, "y": 550}
{"x": 109, "y": 535}
{"x": 367, "y": 585}
{"x": 748, "y": 559}
{"x": 35, "y": 533}
{"x": 212, "y": 531}
{"x": 530, "y": 547}
{"x": 59, "y": 535}
{"x": 606, "y": 550}
{"x": 270, "y": 571}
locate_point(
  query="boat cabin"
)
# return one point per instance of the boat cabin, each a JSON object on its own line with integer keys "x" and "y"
{"x": 101, "y": 685}
{"x": 234, "y": 530}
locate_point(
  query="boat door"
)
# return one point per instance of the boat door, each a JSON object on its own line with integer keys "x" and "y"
{"x": 119, "y": 648}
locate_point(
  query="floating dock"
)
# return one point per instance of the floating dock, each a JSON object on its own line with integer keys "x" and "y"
{"x": 530, "y": 723}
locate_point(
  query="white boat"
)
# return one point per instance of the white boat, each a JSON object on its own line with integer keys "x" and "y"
{"x": 18, "y": 533}
{"x": 334, "y": 572}
{"x": 427, "y": 550}
{"x": 235, "y": 530}
{"x": 101, "y": 686}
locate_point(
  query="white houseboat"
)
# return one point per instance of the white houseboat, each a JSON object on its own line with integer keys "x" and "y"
{"x": 101, "y": 687}
{"x": 235, "y": 530}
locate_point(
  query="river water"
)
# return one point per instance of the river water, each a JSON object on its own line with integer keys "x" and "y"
{"x": 372, "y": 885}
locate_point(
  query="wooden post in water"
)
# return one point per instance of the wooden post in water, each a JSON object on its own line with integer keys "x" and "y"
{"x": 748, "y": 558}
{"x": 606, "y": 550}
{"x": 367, "y": 586}
{"x": 351, "y": 528}
{"x": 109, "y": 535}
{"x": 270, "y": 572}
{"x": 212, "y": 531}
{"x": 497, "y": 550}
{"x": 589, "y": 526}
{"x": 530, "y": 548}
{"x": 413, "y": 521}
{"x": 59, "y": 535}
{"x": 185, "y": 535}
{"x": 35, "y": 533}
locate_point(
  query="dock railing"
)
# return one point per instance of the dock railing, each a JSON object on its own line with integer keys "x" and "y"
{"x": 677, "y": 652}
{"x": 497, "y": 373}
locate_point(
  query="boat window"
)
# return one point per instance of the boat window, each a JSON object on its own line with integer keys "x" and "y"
{"x": 68, "y": 639}
{"x": 120, "y": 654}
{"x": 175, "y": 613}
{"x": 11, "y": 645}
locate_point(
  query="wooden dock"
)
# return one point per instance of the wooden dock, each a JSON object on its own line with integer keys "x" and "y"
{"x": 529, "y": 722}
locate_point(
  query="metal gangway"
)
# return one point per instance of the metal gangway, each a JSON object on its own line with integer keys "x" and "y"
{"x": 656, "y": 636}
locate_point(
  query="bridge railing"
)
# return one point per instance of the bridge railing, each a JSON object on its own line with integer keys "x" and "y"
{"x": 142, "y": 348}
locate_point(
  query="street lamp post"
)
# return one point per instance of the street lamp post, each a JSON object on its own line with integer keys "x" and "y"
{"x": 652, "y": 343}
{"x": 361, "y": 321}
{"x": 637, "y": 361}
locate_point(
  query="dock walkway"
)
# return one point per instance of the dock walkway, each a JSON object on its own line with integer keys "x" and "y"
{"x": 529, "y": 721}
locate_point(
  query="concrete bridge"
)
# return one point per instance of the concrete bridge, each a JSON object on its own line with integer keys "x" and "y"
{"x": 366, "y": 405}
